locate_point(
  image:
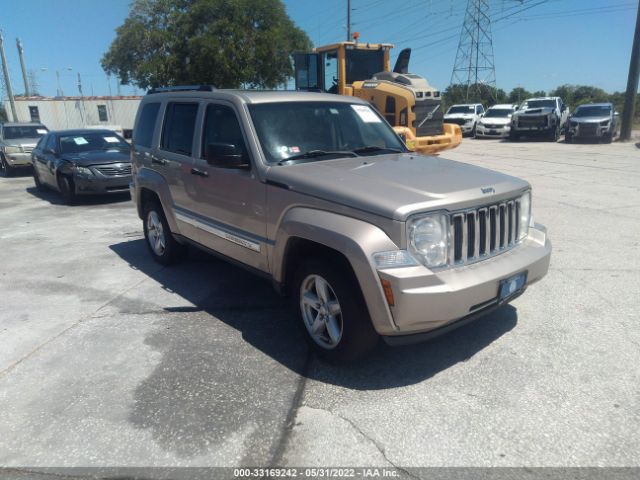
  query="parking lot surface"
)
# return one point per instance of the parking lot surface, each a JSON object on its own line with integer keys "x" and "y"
{"x": 108, "y": 359}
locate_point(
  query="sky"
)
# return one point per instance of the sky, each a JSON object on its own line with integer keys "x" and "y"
{"x": 537, "y": 44}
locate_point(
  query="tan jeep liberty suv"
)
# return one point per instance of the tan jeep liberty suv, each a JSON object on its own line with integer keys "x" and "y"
{"x": 317, "y": 193}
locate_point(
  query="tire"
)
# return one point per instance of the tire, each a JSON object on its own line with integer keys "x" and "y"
{"x": 163, "y": 247}
{"x": 473, "y": 131}
{"x": 36, "y": 180}
{"x": 554, "y": 135}
{"x": 67, "y": 189}
{"x": 568, "y": 138}
{"x": 513, "y": 136}
{"x": 608, "y": 138}
{"x": 341, "y": 336}
{"x": 5, "y": 169}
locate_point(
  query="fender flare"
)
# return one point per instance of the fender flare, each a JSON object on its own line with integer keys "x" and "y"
{"x": 151, "y": 180}
{"x": 356, "y": 239}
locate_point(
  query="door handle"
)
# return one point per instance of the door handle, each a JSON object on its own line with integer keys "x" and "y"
{"x": 157, "y": 161}
{"x": 200, "y": 173}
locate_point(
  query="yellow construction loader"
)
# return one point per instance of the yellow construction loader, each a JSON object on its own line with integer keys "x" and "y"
{"x": 363, "y": 70}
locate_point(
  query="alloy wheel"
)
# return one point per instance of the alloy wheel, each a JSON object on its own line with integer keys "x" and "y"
{"x": 155, "y": 233}
{"x": 321, "y": 312}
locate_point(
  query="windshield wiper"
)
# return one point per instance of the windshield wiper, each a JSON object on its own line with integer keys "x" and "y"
{"x": 316, "y": 153}
{"x": 374, "y": 148}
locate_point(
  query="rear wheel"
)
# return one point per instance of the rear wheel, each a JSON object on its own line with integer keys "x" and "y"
{"x": 67, "y": 189}
{"x": 334, "y": 316}
{"x": 5, "y": 168}
{"x": 160, "y": 242}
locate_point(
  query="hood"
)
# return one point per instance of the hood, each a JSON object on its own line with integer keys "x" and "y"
{"x": 536, "y": 111}
{"x": 496, "y": 121}
{"x": 22, "y": 142}
{"x": 98, "y": 157}
{"x": 397, "y": 185}
{"x": 591, "y": 119}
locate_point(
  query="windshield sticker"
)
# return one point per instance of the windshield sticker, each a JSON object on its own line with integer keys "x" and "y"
{"x": 80, "y": 140}
{"x": 334, "y": 111}
{"x": 111, "y": 139}
{"x": 294, "y": 149}
{"x": 41, "y": 131}
{"x": 366, "y": 114}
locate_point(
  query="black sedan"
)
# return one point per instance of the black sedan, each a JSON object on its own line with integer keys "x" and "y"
{"x": 81, "y": 162}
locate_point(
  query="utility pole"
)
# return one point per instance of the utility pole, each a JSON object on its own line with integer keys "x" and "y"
{"x": 348, "y": 20}
{"x": 7, "y": 80}
{"x": 632, "y": 84}
{"x": 27, "y": 92}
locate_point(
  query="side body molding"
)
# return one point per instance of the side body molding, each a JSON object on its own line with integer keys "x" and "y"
{"x": 355, "y": 239}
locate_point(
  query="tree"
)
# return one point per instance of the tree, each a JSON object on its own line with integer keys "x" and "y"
{"x": 518, "y": 95}
{"x": 481, "y": 93}
{"x": 3, "y": 114}
{"x": 226, "y": 43}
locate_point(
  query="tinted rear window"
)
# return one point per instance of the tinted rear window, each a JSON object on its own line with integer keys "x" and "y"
{"x": 144, "y": 130}
{"x": 179, "y": 126}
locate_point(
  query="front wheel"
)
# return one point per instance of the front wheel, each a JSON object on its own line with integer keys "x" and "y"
{"x": 568, "y": 138}
{"x": 554, "y": 135}
{"x": 5, "y": 168}
{"x": 333, "y": 313}
{"x": 607, "y": 138}
{"x": 160, "y": 242}
{"x": 36, "y": 180}
{"x": 67, "y": 189}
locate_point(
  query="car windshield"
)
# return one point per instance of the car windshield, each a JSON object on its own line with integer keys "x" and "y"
{"x": 540, "y": 104}
{"x": 461, "y": 109}
{"x": 91, "y": 141}
{"x": 593, "y": 111}
{"x": 498, "y": 112}
{"x": 315, "y": 130}
{"x": 24, "y": 131}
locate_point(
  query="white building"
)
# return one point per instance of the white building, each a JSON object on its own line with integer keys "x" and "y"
{"x": 59, "y": 113}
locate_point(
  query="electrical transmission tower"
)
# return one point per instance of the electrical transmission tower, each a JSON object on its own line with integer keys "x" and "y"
{"x": 474, "y": 67}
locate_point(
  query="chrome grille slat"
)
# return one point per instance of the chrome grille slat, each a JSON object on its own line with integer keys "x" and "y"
{"x": 483, "y": 232}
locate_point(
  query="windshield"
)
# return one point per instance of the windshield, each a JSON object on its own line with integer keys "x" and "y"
{"x": 498, "y": 112}
{"x": 461, "y": 109}
{"x": 24, "y": 131}
{"x": 90, "y": 141}
{"x": 540, "y": 104}
{"x": 363, "y": 64}
{"x": 593, "y": 111}
{"x": 293, "y": 128}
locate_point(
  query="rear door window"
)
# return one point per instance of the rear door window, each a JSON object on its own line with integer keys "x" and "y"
{"x": 143, "y": 135}
{"x": 179, "y": 127}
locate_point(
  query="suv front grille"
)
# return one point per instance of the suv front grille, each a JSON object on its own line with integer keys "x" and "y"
{"x": 484, "y": 232}
{"x": 114, "y": 170}
{"x": 457, "y": 121}
{"x": 532, "y": 121}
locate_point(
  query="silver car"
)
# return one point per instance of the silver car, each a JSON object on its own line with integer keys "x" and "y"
{"x": 317, "y": 193}
{"x": 17, "y": 141}
{"x": 594, "y": 120}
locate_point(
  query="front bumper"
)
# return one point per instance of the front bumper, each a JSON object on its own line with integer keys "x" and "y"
{"x": 427, "y": 300}
{"x": 589, "y": 132}
{"x": 501, "y": 131}
{"x": 18, "y": 159}
{"x": 101, "y": 185}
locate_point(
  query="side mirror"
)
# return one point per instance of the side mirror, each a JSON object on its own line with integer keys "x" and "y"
{"x": 225, "y": 155}
{"x": 50, "y": 151}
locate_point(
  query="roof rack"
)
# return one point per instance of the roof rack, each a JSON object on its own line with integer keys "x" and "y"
{"x": 183, "y": 88}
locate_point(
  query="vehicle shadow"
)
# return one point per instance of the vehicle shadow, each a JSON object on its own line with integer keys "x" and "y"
{"x": 244, "y": 301}
{"x": 54, "y": 198}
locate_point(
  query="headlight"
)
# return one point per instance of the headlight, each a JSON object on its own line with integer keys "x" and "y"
{"x": 525, "y": 214}
{"x": 82, "y": 171}
{"x": 428, "y": 239}
{"x": 12, "y": 149}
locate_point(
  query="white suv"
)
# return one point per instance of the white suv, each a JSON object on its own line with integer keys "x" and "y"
{"x": 496, "y": 122}
{"x": 466, "y": 115}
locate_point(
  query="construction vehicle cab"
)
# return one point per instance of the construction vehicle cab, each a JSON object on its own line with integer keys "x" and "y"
{"x": 363, "y": 70}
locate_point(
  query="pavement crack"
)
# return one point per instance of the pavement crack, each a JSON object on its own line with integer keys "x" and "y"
{"x": 379, "y": 447}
